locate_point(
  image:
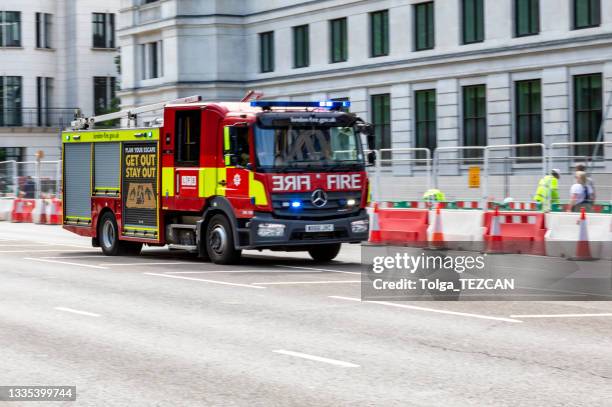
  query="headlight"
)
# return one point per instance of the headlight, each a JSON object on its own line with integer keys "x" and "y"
{"x": 360, "y": 226}
{"x": 270, "y": 230}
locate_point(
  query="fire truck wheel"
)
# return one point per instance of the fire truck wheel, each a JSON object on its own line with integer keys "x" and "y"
{"x": 325, "y": 252}
{"x": 108, "y": 234}
{"x": 220, "y": 241}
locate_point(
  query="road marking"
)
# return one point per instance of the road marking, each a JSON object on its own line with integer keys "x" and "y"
{"x": 159, "y": 263}
{"x": 561, "y": 315}
{"x": 315, "y": 358}
{"x": 39, "y": 251}
{"x": 438, "y": 311}
{"x": 222, "y": 271}
{"x": 72, "y": 257}
{"x": 318, "y": 269}
{"x": 64, "y": 262}
{"x": 310, "y": 282}
{"x": 76, "y": 311}
{"x": 203, "y": 280}
{"x": 21, "y": 245}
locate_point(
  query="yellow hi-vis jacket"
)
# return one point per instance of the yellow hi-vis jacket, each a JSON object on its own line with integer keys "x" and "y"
{"x": 548, "y": 190}
{"x": 434, "y": 195}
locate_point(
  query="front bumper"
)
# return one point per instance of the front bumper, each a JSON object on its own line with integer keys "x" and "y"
{"x": 295, "y": 234}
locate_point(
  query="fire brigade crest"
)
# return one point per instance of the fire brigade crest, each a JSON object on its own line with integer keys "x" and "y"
{"x": 237, "y": 180}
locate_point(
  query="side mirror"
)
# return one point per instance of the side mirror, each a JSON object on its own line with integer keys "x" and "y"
{"x": 371, "y": 139}
{"x": 371, "y": 158}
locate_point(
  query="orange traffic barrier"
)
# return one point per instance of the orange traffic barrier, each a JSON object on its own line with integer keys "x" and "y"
{"x": 583, "y": 248}
{"x": 55, "y": 212}
{"x": 403, "y": 226}
{"x": 515, "y": 232}
{"x": 22, "y": 210}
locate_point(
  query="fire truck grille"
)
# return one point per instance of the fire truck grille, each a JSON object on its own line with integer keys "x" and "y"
{"x": 336, "y": 206}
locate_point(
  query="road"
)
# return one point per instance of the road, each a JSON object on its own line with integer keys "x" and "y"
{"x": 166, "y": 329}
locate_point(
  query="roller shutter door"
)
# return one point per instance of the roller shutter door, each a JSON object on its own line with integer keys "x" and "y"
{"x": 77, "y": 180}
{"x": 106, "y": 168}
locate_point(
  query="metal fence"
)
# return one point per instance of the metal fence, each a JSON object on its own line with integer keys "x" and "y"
{"x": 30, "y": 179}
{"x": 36, "y": 117}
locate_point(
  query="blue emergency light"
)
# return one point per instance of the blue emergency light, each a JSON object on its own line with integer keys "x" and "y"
{"x": 296, "y": 204}
{"x": 328, "y": 104}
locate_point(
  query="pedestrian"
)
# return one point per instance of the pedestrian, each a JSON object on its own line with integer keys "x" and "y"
{"x": 434, "y": 195}
{"x": 589, "y": 180}
{"x": 548, "y": 190}
{"x": 580, "y": 193}
{"x": 29, "y": 188}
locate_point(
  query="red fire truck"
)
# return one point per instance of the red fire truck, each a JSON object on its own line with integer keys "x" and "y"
{"x": 217, "y": 178}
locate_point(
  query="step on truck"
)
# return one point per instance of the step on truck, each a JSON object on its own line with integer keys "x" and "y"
{"x": 219, "y": 178}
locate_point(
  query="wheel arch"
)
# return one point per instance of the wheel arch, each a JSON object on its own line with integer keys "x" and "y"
{"x": 217, "y": 205}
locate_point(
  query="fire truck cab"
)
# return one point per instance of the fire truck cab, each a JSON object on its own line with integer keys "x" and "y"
{"x": 218, "y": 178}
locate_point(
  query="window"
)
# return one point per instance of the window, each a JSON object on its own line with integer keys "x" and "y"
{"x": 10, "y": 154}
{"x": 587, "y": 13}
{"x": 425, "y": 125}
{"x": 43, "y": 30}
{"x": 10, "y": 29}
{"x": 187, "y": 145}
{"x": 151, "y": 57}
{"x": 381, "y": 120}
{"x": 103, "y": 30}
{"x": 474, "y": 119}
{"x": 10, "y": 100}
{"x": 473, "y": 21}
{"x": 104, "y": 93}
{"x": 526, "y": 17}
{"x": 528, "y": 116}
{"x": 339, "y": 40}
{"x": 300, "y": 47}
{"x": 379, "y": 33}
{"x": 587, "y": 110}
{"x": 44, "y": 97}
{"x": 266, "y": 51}
{"x": 424, "y": 26}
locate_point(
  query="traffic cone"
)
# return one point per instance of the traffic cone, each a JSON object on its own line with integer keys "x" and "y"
{"x": 375, "y": 236}
{"x": 437, "y": 235}
{"x": 495, "y": 243}
{"x": 583, "y": 249}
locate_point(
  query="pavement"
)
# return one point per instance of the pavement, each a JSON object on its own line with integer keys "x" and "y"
{"x": 166, "y": 329}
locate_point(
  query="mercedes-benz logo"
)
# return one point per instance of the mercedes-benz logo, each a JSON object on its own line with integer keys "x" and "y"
{"x": 319, "y": 198}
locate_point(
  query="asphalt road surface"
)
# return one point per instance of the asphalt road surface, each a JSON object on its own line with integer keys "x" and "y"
{"x": 166, "y": 329}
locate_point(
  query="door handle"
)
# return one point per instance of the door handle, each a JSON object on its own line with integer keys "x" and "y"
{"x": 222, "y": 183}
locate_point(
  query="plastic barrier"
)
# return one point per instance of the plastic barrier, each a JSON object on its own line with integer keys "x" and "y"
{"x": 463, "y": 204}
{"x": 597, "y": 207}
{"x": 564, "y": 231}
{"x": 519, "y": 232}
{"x": 415, "y": 204}
{"x": 401, "y": 226}
{"x": 22, "y": 210}
{"x": 459, "y": 226}
{"x": 6, "y": 209}
{"x": 516, "y": 206}
{"x": 54, "y": 212}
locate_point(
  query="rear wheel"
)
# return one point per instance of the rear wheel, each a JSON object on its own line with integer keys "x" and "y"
{"x": 325, "y": 252}
{"x": 108, "y": 236}
{"x": 220, "y": 241}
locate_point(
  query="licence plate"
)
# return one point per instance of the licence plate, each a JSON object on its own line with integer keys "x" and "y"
{"x": 319, "y": 228}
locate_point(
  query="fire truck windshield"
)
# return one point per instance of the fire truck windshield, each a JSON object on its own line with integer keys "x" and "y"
{"x": 307, "y": 148}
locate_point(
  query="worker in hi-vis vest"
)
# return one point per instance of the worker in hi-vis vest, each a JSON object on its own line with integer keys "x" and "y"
{"x": 434, "y": 195}
{"x": 548, "y": 190}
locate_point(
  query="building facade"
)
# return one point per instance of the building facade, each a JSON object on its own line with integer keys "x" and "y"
{"x": 428, "y": 74}
{"x": 57, "y": 56}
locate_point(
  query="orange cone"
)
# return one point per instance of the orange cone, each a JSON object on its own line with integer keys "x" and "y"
{"x": 495, "y": 243}
{"x": 375, "y": 236}
{"x": 437, "y": 235}
{"x": 583, "y": 249}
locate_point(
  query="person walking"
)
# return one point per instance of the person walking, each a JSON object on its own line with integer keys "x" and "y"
{"x": 580, "y": 193}
{"x": 589, "y": 180}
{"x": 548, "y": 190}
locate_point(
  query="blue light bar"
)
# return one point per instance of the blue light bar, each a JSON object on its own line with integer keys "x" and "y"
{"x": 328, "y": 104}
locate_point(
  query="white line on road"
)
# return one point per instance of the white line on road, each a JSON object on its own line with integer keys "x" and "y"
{"x": 318, "y": 269}
{"x": 72, "y": 257}
{"x": 203, "y": 280}
{"x": 159, "y": 263}
{"x": 65, "y": 262}
{"x": 438, "y": 311}
{"x": 316, "y": 358}
{"x": 560, "y": 315}
{"x": 76, "y": 311}
{"x": 39, "y": 251}
{"x": 310, "y": 282}
{"x": 222, "y": 271}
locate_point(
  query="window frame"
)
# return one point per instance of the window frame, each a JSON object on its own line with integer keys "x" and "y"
{"x": 301, "y": 46}
{"x": 107, "y": 25}
{"x": 4, "y": 30}
{"x": 428, "y": 121}
{"x": 430, "y": 26}
{"x": 343, "y": 39}
{"x": 6, "y": 120}
{"x": 594, "y": 122}
{"x": 380, "y": 105}
{"x": 382, "y": 31}
{"x": 478, "y": 25}
{"x": 592, "y": 23}
{"x": 266, "y": 44}
{"x": 110, "y": 83}
{"x": 535, "y": 130}
{"x": 178, "y": 144}
{"x": 474, "y": 116}
{"x": 531, "y": 18}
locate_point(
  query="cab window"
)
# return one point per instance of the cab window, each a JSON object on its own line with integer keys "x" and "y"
{"x": 187, "y": 130}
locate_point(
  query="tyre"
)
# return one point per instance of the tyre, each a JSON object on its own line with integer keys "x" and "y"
{"x": 326, "y": 252}
{"x": 108, "y": 237}
{"x": 220, "y": 241}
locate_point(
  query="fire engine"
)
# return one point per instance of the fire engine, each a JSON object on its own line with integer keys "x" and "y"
{"x": 219, "y": 178}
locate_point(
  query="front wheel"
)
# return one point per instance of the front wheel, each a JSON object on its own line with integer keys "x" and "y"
{"x": 326, "y": 252}
{"x": 220, "y": 241}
